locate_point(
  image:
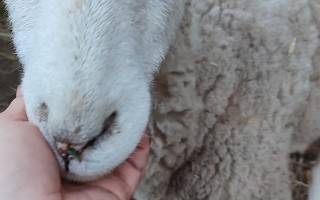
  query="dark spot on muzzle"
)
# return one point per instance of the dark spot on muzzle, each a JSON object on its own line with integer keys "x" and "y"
{"x": 42, "y": 112}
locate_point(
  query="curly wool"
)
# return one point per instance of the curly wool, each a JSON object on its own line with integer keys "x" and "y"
{"x": 229, "y": 98}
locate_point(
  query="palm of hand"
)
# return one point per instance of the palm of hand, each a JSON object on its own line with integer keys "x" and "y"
{"x": 32, "y": 170}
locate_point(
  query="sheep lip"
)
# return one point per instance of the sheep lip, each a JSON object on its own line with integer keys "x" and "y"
{"x": 67, "y": 150}
{"x": 70, "y": 152}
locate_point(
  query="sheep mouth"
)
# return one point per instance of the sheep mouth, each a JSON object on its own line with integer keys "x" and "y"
{"x": 69, "y": 152}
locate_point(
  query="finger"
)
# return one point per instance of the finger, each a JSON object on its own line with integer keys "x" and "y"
{"x": 132, "y": 170}
{"x": 16, "y": 110}
{"x": 125, "y": 179}
{"x": 139, "y": 158}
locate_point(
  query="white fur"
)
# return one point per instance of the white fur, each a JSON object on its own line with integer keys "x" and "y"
{"x": 87, "y": 59}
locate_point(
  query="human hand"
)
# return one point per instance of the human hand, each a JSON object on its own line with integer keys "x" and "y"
{"x": 29, "y": 169}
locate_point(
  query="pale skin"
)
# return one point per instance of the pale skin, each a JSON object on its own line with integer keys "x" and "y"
{"x": 30, "y": 171}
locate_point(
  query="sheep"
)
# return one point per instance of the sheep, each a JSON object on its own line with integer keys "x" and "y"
{"x": 232, "y": 93}
{"x": 226, "y": 101}
{"x": 88, "y": 66}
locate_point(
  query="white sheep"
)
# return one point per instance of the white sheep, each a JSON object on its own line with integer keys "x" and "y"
{"x": 87, "y": 72}
{"x": 226, "y": 101}
{"x": 229, "y": 97}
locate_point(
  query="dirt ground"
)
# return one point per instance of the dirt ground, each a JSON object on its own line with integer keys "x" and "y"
{"x": 10, "y": 71}
{"x": 9, "y": 66}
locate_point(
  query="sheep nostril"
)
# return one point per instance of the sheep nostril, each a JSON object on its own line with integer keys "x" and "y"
{"x": 106, "y": 126}
{"x": 42, "y": 112}
{"x": 109, "y": 121}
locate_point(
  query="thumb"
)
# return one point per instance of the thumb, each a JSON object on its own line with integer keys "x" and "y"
{"x": 16, "y": 110}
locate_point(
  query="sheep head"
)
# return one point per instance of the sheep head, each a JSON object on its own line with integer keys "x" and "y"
{"x": 88, "y": 66}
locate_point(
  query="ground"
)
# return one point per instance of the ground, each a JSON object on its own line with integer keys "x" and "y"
{"x": 9, "y": 65}
{"x": 10, "y": 71}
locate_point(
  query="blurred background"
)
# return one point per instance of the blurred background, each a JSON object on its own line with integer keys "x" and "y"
{"x": 10, "y": 69}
